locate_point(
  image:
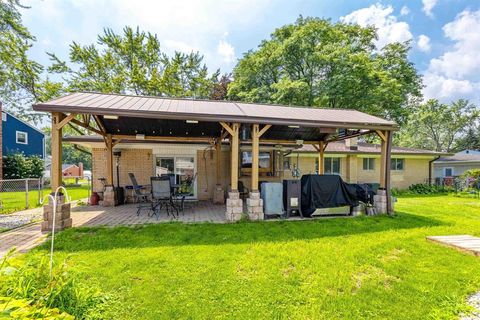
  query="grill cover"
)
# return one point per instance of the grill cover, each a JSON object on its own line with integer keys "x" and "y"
{"x": 328, "y": 191}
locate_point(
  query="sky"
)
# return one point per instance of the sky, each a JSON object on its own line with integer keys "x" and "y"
{"x": 445, "y": 34}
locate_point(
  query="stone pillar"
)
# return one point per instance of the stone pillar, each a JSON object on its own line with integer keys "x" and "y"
{"x": 255, "y": 206}
{"x": 109, "y": 197}
{"x": 380, "y": 202}
{"x": 234, "y": 206}
{"x": 62, "y": 215}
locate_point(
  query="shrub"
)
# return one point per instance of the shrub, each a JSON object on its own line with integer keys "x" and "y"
{"x": 472, "y": 173}
{"x": 32, "y": 282}
{"x": 424, "y": 188}
{"x": 23, "y": 309}
{"x": 18, "y": 166}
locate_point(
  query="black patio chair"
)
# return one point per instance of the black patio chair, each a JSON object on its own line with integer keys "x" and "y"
{"x": 162, "y": 196}
{"x": 138, "y": 196}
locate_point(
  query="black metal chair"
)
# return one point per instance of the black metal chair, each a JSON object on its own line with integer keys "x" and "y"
{"x": 138, "y": 196}
{"x": 162, "y": 196}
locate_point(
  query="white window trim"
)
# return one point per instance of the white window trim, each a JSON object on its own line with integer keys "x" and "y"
{"x": 331, "y": 165}
{"x": 399, "y": 170}
{"x": 4, "y": 116}
{"x": 445, "y": 171}
{"x": 26, "y": 137}
{"x": 369, "y": 168}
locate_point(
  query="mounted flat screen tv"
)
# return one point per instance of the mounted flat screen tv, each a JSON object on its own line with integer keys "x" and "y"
{"x": 264, "y": 161}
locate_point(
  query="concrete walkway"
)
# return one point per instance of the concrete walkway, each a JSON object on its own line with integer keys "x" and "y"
{"x": 466, "y": 243}
{"x": 23, "y": 238}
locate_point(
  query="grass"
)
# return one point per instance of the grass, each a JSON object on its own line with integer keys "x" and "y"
{"x": 15, "y": 201}
{"x": 359, "y": 268}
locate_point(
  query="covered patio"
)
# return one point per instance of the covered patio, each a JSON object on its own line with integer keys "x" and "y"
{"x": 244, "y": 143}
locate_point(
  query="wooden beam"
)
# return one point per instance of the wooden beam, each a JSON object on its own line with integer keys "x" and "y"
{"x": 381, "y": 135}
{"x": 109, "y": 164}
{"x": 383, "y": 162}
{"x": 116, "y": 142}
{"x": 56, "y": 143}
{"x": 234, "y": 156}
{"x": 350, "y": 136}
{"x": 388, "y": 135}
{"x": 87, "y": 126}
{"x": 163, "y": 138}
{"x": 264, "y": 129}
{"x": 218, "y": 154}
{"x": 100, "y": 124}
{"x": 77, "y": 130}
{"x": 255, "y": 156}
{"x": 316, "y": 147}
{"x": 65, "y": 120}
{"x": 321, "y": 158}
{"x": 228, "y": 128}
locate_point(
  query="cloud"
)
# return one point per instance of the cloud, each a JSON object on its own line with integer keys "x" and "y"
{"x": 454, "y": 74}
{"x": 428, "y": 6}
{"x": 226, "y": 50}
{"x": 182, "y": 25}
{"x": 404, "y": 11}
{"x": 389, "y": 29}
{"x": 423, "y": 43}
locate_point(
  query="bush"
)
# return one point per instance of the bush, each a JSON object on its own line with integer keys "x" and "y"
{"x": 424, "y": 188}
{"x": 32, "y": 282}
{"x": 25, "y": 310}
{"x": 18, "y": 166}
{"x": 472, "y": 173}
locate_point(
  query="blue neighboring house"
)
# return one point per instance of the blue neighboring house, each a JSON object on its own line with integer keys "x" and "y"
{"x": 19, "y": 136}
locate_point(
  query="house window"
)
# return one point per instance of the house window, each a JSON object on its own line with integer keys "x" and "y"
{"x": 4, "y": 116}
{"x": 22, "y": 137}
{"x": 397, "y": 164}
{"x": 368, "y": 164}
{"x": 332, "y": 165}
{"x": 448, "y": 172}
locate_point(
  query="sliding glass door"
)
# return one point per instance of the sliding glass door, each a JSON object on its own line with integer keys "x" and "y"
{"x": 183, "y": 167}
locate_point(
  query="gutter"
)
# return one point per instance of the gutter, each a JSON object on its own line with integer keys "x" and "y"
{"x": 430, "y": 163}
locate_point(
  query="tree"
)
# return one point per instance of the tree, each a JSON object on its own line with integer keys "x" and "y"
{"x": 314, "y": 62}
{"x": 133, "y": 63}
{"x": 438, "y": 126}
{"x": 20, "y": 77}
{"x": 71, "y": 154}
{"x": 220, "y": 87}
{"x": 470, "y": 140}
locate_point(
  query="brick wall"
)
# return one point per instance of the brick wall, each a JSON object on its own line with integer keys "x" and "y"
{"x": 137, "y": 161}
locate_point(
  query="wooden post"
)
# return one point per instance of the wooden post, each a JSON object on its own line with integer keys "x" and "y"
{"x": 109, "y": 144}
{"x": 321, "y": 158}
{"x": 234, "y": 156}
{"x": 388, "y": 158}
{"x": 255, "y": 156}
{"x": 383, "y": 159}
{"x": 218, "y": 153}
{"x": 56, "y": 141}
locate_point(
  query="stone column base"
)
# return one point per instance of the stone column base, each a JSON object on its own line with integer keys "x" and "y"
{"x": 109, "y": 197}
{"x": 255, "y": 206}
{"x": 380, "y": 202}
{"x": 234, "y": 206}
{"x": 62, "y": 216}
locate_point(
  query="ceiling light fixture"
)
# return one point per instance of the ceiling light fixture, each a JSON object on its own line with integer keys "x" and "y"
{"x": 294, "y": 127}
{"x": 110, "y": 117}
{"x": 191, "y": 121}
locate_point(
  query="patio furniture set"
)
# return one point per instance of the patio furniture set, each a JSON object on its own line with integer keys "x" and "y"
{"x": 165, "y": 193}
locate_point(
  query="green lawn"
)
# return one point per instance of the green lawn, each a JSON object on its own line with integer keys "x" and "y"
{"x": 357, "y": 268}
{"x": 15, "y": 201}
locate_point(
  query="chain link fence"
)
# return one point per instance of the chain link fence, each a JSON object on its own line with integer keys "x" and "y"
{"x": 20, "y": 194}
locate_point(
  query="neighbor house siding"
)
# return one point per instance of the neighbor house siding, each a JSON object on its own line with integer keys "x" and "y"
{"x": 458, "y": 168}
{"x": 36, "y": 139}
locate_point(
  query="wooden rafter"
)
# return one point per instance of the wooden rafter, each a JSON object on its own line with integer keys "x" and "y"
{"x": 100, "y": 124}
{"x": 264, "y": 129}
{"x": 381, "y": 134}
{"x": 64, "y": 121}
{"x": 228, "y": 128}
{"x": 87, "y": 126}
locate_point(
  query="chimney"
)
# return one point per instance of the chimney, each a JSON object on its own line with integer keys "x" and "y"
{"x": 80, "y": 169}
{"x": 352, "y": 143}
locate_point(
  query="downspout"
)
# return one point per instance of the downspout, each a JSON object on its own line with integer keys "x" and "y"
{"x": 430, "y": 163}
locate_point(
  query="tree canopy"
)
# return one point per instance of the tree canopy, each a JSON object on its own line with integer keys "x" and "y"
{"x": 133, "y": 63}
{"x": 21, "y": 83}
{"x": 314, "y": 62}
{"x": 439, "y": 126}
